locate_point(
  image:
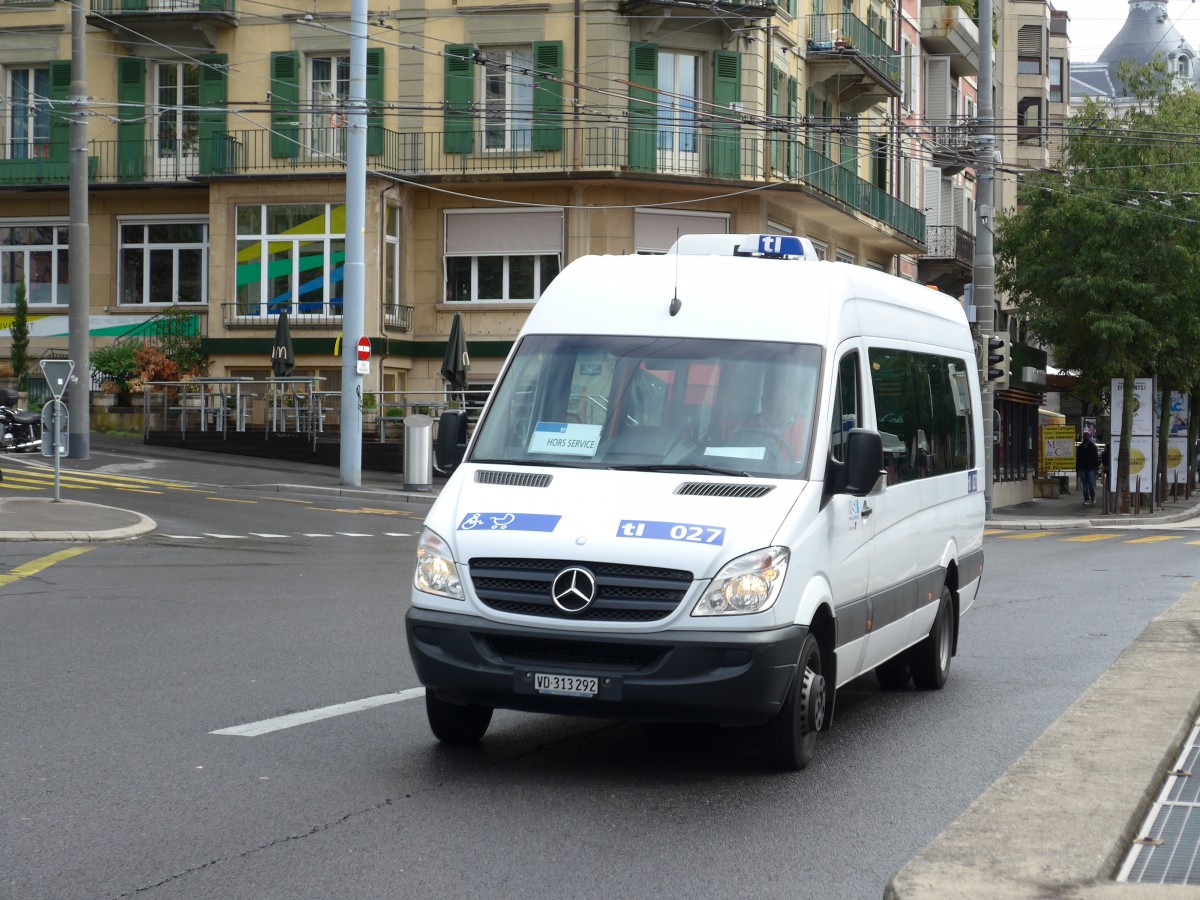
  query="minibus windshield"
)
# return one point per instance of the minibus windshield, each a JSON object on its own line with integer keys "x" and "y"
{"x": 742, "y": 408}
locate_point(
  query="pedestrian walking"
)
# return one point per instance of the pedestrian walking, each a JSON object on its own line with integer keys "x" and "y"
{"x": 1087, "y": 460}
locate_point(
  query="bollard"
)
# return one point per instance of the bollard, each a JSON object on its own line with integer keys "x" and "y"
{"x": 418, "y": 453}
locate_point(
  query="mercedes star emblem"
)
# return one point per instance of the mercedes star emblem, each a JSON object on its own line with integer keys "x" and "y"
{"x": 573, "y": 589}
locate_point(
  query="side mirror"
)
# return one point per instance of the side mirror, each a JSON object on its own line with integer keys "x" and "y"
{"x": 864, "y": 461}
{"x": 451, "y": 440}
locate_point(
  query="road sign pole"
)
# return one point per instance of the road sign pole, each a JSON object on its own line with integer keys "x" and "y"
{"x": 55, "y": 404}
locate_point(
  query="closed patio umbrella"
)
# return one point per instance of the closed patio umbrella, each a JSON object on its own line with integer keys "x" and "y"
{"x": 456, "y": 364}
{"x": 283, "y": 359}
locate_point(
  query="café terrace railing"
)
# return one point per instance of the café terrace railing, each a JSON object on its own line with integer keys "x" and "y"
{"x": 712, "y": 151}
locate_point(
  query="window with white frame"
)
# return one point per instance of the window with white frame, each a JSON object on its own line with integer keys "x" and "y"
{"x": 657, "y": 230}
{"x": 822, "y": 249}
{"x": 177, "y": 117}
{"x": 507, "y": 93}
{"x": 845, "y": 256}
{"x": 908, "y": 88}
{"x": 329, "y": 90}
{"x": 290, "y": 257}
{"x": 502, "y": 256}
{"x": 28, "y": 95}
{"x": 34, "y": 254}
{"x": 393, "y": 312}
{"x": 163, "y": 261}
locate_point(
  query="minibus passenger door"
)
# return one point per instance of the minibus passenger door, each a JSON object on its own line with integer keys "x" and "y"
{"x": 850, "y": 519}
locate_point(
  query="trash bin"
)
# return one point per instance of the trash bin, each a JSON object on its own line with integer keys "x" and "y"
{"x": 418, "y": 453}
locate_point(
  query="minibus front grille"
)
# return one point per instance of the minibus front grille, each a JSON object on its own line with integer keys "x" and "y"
{"x": 738, "y": 491}
{"x": 531, "y": 651}
{"x": 513, "y": 479}
{"x": 624, "y": 593}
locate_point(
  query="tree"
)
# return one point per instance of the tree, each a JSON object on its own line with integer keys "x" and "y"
{"x": 1102, "y": 259}
{"x": 19, "y": 334}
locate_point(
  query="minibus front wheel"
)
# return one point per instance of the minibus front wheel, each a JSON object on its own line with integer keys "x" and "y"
{"x": 791, "y": 734}
{"x": 452, "y": 723}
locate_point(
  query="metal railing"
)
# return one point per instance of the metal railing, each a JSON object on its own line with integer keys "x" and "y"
{"x": 398, "y": 316}
{"x": 949, "y": 242}
{"x": 170, "y": 7}
{"x": 846, "y": 33}
{"x": 264, "y": 315}
{"x": 863, "y": 196}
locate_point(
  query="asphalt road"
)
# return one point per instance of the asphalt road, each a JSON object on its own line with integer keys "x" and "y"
{"x": 119, "y": 663}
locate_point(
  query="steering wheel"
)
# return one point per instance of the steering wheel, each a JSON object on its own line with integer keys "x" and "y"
{"x": 777, "y": 448}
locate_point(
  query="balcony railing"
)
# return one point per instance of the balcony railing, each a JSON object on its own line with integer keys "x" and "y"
{"x": 167, "y": 7}
{"x": 844, "y": 34}
{"x": 706, "y": 151}
{"x": 949, "y": 242}
{"x": 398, "y": 317}
{"x": 263, "y": 315}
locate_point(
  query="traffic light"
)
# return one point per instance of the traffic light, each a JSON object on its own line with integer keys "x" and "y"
{"x": 996, "y": 369}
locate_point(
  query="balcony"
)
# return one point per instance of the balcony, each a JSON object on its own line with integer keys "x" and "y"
{"x": 717, "y": 9}
{"x": 953, "y": 144}
{"x": 709, "y": 152}
{"x": 949, "y": 258}
{"x": 949, "y": 31}
{"x": 306, "y": 317}
{"x": 164, "y": 20}
{"x": 852, "y": 62}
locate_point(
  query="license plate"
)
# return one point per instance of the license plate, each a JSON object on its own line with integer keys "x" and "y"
{"x": 566, "y": 685}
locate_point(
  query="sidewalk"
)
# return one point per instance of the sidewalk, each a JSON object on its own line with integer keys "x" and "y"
{"x": 1058, "y": 823}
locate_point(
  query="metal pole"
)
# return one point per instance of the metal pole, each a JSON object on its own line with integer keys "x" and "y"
{"x": 78, "y": 323}
{"x": 984, "y": 276}
{"x": 353, "y": 299}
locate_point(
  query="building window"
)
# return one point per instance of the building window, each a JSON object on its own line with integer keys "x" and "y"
{"x": 1029, "y": 120}
{"x": 163, "y": 262}
{"x": 656, "y": 230}
{"x": 34, "y": 255}
{"x": 908, "y": 88}
{"x": 177, "y": 118}
{"x": 290, "y": 257}
{"x": 1029, "y": 50}
{"x": 393, "y": 312}
{"x": 508, "y": 99}
{"x": 501, "y": 256}
{"x": 1056, "y": 79}
{"x": 29, "y": 115}
{"x": 329, "y": 90}
{"x": 822, "y": 249}
{"x": 679, "y": 86}
{"x": 1184, "y": 66}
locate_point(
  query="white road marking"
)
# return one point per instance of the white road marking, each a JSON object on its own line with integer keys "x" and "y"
{"x": 225, "y": 537}
{"x": 397, "y": 534}
{"x": 263, "y": 534}
{"x": 184, "y": 537}
{"x": 354, "y": 534}
{"x": 306, "y": 534}
{"x": 253, "y": 729}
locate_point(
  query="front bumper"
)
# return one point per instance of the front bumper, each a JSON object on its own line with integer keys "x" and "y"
{"x": 725, "y": 677}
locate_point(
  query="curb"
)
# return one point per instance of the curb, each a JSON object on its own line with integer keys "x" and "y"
{"x": 352, "y": 492}
{"x": 1060, "y": 821}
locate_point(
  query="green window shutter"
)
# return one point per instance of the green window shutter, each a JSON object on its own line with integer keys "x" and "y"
{"x": 643, "y": 114}
{"x": 213, "y": 94}
{"x": 131, "y": 115}
{"x": 374, "y": 101}
{"x": 793, "y": 139}
{"x": 724, "y": 153}
{"x": 776, "y": 144}
{"x": 60, "y": 125}
{"x": 459, "y": 135}
{"x": 547, "y": 95}
{"x": 285, "y": 105}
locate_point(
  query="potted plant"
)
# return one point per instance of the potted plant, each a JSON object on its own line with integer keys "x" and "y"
{"x": 117, "y": 365}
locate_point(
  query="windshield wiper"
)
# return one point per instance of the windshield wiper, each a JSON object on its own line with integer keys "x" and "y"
{"x": 693, "y": 467}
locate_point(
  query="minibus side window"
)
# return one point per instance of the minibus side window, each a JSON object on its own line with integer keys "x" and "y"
{"x": 847, "y": 403}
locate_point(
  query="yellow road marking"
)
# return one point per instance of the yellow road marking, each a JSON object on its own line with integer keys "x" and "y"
{"x": 41, "y": 483}
{"x": 991, "y": 531}
{"x": 1026, "y": 535}
{"x": 1155, "y": 539}
{"x": 16, "y": 487}
{"x": 286, "y": 500}
{"x": 361, "y": 511}
{"x": 231, "y": 500}
{"x": 133, "y": 490}
{"x": 110, "y": 480}
{"x": 1091, "y": 537}
{"x": 32, "y": 568}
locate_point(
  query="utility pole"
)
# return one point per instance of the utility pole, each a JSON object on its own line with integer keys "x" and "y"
{"x": 78, "y": 236}
{"x": 984, "y": 276}
{"x": 354, "y": 283}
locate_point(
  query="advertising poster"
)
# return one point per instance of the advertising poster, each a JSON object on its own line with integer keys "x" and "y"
{"x": 1179, "y": 416}
{"x": 1143, "y": 408}
{"x": 1058, "y": 449}
{"x": 1177, "y": 470}
{"x": 1141, "y": 464}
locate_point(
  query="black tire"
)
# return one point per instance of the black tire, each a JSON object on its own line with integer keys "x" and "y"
{"x": 930, "y": 659}
{"x": 454, "y": 724}
{"x": 893, "y": 675}
{"x": 790, "y": 737}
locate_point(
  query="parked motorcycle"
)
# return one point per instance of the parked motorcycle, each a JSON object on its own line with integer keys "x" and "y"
{"x": 20, "y": 429}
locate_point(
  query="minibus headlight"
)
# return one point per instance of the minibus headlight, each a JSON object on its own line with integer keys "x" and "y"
{"x": 748, "y": 584}
{"x": 436, "y": 572}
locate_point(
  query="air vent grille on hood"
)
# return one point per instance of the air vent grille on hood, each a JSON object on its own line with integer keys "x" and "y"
{"x": 740, "y": 491}
{"x": 513, "y": 479}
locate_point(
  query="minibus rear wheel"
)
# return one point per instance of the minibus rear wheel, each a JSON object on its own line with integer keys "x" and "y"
{"x": 455, "y": 724}
{"x": 790, "y": 735}
{"x": 930, "y": 659}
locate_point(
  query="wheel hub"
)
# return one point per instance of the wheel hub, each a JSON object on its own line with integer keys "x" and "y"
{"x": 812, "y": 712}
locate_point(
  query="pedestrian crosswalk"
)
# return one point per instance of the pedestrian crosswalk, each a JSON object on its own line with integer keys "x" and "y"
{"x": 26, "y": 478}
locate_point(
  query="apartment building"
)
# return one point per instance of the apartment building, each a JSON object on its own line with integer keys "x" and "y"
{"x": 504, "y": 141}
{"x": 1032, "y": 105}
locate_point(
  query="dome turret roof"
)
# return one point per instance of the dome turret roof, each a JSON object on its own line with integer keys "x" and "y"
{"x": 1147, "y": 33}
